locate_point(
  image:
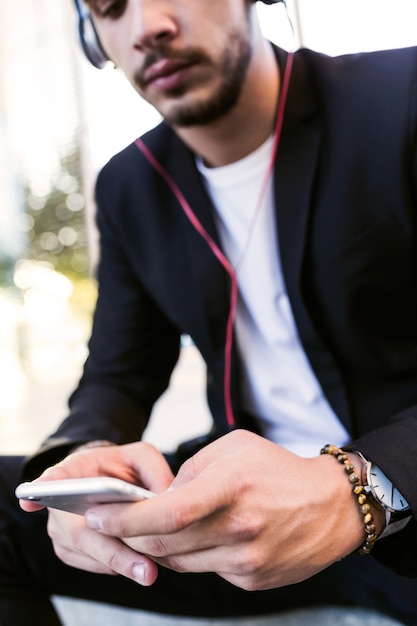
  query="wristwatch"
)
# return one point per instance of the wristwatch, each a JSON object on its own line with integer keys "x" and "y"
{"x": 379, "y": 488}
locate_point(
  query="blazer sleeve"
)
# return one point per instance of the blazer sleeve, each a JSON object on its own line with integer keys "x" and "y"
{"x": 383, "y": 395}
{"x": 393, "y": 447}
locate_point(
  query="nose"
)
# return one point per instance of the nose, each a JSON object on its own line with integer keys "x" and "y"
{"x": 151, "y": 24}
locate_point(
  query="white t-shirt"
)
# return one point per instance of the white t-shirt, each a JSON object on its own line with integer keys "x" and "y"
{"x": 279, "y": 385}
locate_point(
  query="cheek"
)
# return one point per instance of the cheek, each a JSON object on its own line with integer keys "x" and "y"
{"x": 108, "y": 40}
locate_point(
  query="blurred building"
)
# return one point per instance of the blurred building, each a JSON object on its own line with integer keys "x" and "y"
{"x": 41, "y": 107}
{"x": 42, "y": 120}
{"x": 42, "y": 99}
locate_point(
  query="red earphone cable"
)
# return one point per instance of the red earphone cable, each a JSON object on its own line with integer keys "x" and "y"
{"x": 232, "y": 272}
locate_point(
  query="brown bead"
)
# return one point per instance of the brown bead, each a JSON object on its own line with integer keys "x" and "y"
{"x": 359, "y": 491}
{"x": 367, "y": 519}
{"x": 366, "y": 548}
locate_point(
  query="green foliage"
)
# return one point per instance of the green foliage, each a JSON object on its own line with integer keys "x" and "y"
{"x": 55, "y": 223}
{"x": 6, "y": 270}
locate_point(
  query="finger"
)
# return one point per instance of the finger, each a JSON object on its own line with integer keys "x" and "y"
{"x": 30, "y": 507}
{"x": 115, "y": 558}
{"x": 139, "y": 463}
{"x": 232, "y": 565}
{"x": 169, "y": 512}
{"x": 216, "y": 530}
{"x": 149, "y": 466}
{"x": 241, "y": 567}
{"x": 83, "y": 548}
{"x": 82, "y": 562}
{"x": 222, "y": 448}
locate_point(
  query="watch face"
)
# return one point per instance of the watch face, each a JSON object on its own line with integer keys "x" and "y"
{"x": 384, "y": 491}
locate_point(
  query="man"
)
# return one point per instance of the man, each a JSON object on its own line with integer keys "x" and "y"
{"x": 324, "y": 343}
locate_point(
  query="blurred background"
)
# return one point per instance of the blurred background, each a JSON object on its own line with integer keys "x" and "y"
{"x": 60, "y": 121}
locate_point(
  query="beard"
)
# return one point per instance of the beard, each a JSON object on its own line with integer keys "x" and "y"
{"x": 232, "y": 68}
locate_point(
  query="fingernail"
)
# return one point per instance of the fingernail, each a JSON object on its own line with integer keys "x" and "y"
{"x": 139, "y": 570}
{"x": 93, "y": 521}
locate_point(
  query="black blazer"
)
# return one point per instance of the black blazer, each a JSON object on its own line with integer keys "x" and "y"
{"x": 346, "y": 199}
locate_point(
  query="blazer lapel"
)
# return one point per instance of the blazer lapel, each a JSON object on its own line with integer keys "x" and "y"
{"x": 211, "y": 280}
{"x": 295, "y": 168}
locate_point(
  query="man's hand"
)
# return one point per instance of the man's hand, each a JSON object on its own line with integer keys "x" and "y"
{"x": 79, "y": 546}
{"x": 258, "y": 515}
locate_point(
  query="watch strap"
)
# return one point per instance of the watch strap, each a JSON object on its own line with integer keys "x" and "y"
{"x": 393, "y": 525}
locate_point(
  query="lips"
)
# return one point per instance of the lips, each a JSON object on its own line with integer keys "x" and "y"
{"x": 167, "y": 73}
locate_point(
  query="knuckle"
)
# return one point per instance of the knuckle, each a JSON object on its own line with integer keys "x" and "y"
{"x": 254, "y": 561}
{"x": 177, "y": 518}
{"x": 242, "y": 436}
{"x": 176, "y": 566}
{"x": 252, "y": 529}
{"x": 248, "y": 563}
{"x": 187, "y": 470}
{"x": 116, "y": 563}
{"x": 246, "y": 528}
{"x": 249, "y": 570}
{"x": 157, "y": 547}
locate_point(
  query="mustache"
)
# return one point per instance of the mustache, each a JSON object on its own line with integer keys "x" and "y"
{"x": 186, "y": 57}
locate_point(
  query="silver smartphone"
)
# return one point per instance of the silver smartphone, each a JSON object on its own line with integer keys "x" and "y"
{"x": 76, "y": 495}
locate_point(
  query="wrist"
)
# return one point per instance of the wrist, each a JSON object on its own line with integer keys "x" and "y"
{"x": 353, "y": 479}
{"x": 96, "y": 443}
{"x": 376, "y": 509}
{"x": 348, "y": 524}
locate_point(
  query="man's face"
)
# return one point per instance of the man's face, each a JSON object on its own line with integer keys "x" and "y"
{"x": 187, "y": 58}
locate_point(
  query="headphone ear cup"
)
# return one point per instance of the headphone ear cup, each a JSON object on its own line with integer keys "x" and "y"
{"x": 89, "y": 39}
{"x": 90, "y": 43}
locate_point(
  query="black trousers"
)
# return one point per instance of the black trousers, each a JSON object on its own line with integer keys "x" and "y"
{"x": 30, "y": 573}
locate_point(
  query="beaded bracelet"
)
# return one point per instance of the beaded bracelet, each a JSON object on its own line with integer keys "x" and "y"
{"x": 359, "y": 492}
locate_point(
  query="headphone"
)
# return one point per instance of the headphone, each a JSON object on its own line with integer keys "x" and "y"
{"x": 90, "y": 41}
